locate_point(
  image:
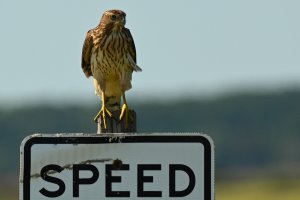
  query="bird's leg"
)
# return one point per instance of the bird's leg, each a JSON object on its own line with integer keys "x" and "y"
{"x": 125, "y": 111}
{"x": 103, "y": 111}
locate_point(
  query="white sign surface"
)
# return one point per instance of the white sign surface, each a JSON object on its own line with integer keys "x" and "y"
{"x": 118, "y": 166}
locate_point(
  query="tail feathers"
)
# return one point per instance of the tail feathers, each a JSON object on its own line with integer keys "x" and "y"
{"x": 134, "y": 65}
{"x": 112, "y": 103}
{"x": 137, "y": 68}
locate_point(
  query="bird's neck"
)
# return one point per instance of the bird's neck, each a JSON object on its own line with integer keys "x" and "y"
{"x": 117, "y": 29}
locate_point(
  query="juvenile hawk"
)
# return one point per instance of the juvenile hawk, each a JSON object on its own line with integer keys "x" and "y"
{"x": 109, "y": 56}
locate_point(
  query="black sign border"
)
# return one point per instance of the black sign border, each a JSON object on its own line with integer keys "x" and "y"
{"x": 126, "y": 138}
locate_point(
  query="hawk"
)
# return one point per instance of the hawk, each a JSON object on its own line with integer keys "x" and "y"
{"x": 109, "y": 55}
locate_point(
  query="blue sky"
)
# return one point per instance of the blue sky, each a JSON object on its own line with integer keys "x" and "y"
{"x": 185, "y": 48}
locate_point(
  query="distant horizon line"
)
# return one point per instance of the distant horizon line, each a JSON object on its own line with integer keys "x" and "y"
{"x": 74, "y": 100}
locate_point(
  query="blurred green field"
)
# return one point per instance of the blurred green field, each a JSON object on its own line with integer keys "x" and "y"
{"x": 259, "y": 190}
{"x": 9, "y": 193}
{"x": 231, "y": 190}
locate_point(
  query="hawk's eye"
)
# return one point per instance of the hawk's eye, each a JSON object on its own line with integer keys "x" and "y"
{"x": 113, "y": 17}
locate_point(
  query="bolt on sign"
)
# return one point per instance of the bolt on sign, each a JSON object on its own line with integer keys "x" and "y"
{"x": 117, "y": 166}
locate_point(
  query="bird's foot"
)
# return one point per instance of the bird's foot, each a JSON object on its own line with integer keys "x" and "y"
{"x": 103, "y": 113}
{"x": 125, "y": 113}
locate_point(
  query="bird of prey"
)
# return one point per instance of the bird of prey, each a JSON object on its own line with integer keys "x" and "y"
{"x": 109, "y": 55}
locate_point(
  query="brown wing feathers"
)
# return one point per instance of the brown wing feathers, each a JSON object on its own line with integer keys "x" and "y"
{"x": 132, "y": 50}
{"x": 86, "y": 54}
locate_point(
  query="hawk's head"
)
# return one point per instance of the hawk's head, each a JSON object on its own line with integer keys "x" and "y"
{"x": 114, "y": 19}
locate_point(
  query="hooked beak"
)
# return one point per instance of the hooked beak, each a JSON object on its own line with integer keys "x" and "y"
{"x": 121, "y": 22}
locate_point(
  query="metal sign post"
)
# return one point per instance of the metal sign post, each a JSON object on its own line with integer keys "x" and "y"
{"x": 117, "y": 166}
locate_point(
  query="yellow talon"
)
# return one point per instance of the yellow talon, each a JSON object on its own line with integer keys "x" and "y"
{"x": 124, "y": 112}
{"x": 103, "y": 112}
